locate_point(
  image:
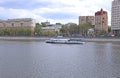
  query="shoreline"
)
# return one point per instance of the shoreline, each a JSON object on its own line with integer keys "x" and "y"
{"x": 101, "y": 39}
{"x": 45, "y": 38}
{"x": 24, "y": 38}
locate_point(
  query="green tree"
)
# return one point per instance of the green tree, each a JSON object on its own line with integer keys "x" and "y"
{"x": 102, "y": 32}
{"x": 109, "y": 28}
{"x": 16, "y": 31}
{"x": 1, "y": 32}
{"x": 37, "y": 29}
{"x": 64, "y": 30}
{"x": 6, "y": 31}
{"x": 73, "y": 29}
{"x": 87, "y": 26}
{"x": 28, "y": 32}
{"x": 58, "y": 23}
{"x": 42, "y": 24}
{"x": 83, "y": 28}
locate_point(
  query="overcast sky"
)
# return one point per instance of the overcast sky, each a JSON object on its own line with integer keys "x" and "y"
{"x": 63, "y": 11}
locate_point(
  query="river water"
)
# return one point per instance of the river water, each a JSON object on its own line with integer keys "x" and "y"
{"x": 24, "y": 59}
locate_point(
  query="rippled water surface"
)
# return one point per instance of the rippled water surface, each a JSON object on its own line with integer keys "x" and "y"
{"x": 41, "y": 60}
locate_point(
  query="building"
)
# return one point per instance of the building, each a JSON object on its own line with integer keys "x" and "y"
{"x": 12, "y": 23}
{"x": 16, "y": 26}
{"x": 115, "y": 19}
{"x": 45, "y": 23}
{"x": 91, "y": 32}
{"x": 51, "y": 29}
{"x": 101, "y": 21}
{"x": 85, "y": 19}
{"x": 70, "y": 24}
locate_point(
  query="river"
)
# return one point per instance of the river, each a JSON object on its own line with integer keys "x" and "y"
{"x": 37, "y": 59}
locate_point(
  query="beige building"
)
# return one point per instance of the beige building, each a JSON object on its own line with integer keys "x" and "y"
{"x": 101, "y": 21}
{"x": 85, "y": 19}
{"x": 13, "y": 23}
{"x": 17, "y": 27}
{"x": 51, "y": 29}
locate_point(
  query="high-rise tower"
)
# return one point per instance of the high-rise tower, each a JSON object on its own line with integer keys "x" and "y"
{"x": 101, "y": 21}
{"x": 115, "y": 19}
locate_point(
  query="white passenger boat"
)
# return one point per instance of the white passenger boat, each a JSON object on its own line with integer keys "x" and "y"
{"x": 65, "y": 41}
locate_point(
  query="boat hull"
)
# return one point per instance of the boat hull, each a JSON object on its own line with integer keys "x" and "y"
{"x": 65, "y": 41}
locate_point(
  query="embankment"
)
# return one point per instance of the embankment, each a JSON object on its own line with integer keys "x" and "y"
{"x": 102, "y": 39}
{"x": 45, "y": 38}
{"x": 24, "y": 38}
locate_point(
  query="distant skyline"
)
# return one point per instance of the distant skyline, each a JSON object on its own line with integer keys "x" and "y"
{"x": 62, "y": 11}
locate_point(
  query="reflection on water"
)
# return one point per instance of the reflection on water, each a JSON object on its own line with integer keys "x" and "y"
{"x": 41, "y": 60}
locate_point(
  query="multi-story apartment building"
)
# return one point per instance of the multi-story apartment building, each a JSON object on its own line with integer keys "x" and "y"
{"x": 115, "y": 19}
{"x": 101, "y": 21}
{"x": 85, "y": 19}
{"x": 13, "y": 23}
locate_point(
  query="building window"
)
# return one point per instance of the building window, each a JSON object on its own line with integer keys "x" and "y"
{"x": 4, "y": 25}
{"x": 12, "y": 24}
{"x": 21, "y": 24}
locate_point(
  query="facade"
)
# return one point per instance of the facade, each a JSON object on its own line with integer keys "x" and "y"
{"x": 70, "y": 24}
{"x": 51, "y": 29}
{"x": 101, "y": 21}
{"x": 115, "y": 20}
{"x": 85, "y": 19}
{"x": 91, "y": 32}
{"x": 13, "y": 23}
{"x": 46, "y": 23}
{"x": 17, "y": 27}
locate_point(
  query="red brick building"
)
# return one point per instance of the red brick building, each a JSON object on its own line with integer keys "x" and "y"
{"x": 101, "y": 21}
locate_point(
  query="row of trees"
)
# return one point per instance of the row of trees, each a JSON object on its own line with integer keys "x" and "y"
{"x": 37, "y": 31}
{"x": 83, "y": 30}
{"x": 76, "y": 29}
{"x": 16, "y": 32}
{"x": 22, "y": 31}
{"x": 65, "y": 30}
{"x": 40, "y": 32}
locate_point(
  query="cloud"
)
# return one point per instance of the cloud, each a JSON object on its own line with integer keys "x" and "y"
{"x": 23, "y": 4}
{"x": 19, "y": 13}
{"x": 53, "y": 10}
